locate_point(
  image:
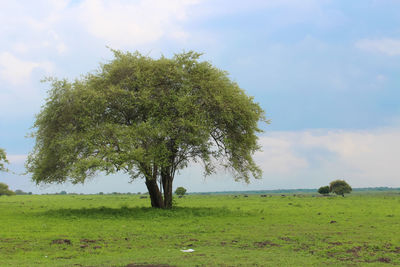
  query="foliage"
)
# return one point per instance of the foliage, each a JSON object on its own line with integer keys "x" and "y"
{"x": 4, "y": 190}
{"x": 180, "y": 191}
{"x": 340, "y": 187}
{"x": 3, "y": 160}
{"x": 323, "y": 190}
{"x": 148, "y": 118}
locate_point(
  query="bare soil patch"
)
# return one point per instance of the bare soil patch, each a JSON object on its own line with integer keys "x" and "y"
{"x": 61, "y": 241}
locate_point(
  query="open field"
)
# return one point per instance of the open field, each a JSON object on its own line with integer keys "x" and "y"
{"x": 117, "y": 230}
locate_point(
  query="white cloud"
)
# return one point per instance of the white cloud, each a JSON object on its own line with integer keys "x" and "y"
{"x": 364, "y": 158}
{"x": 121, "y": 23}
{"x": 278, "y": 156}
{"x": 386, "y": 46}
{"x": 35, "y": 22}
{"x": 17, "y": 71}
{"x": 17, "y": 159}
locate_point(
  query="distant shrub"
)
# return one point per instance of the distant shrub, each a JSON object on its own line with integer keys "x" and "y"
{"x": 20, "y": 192}
{"x": 340, "y": 187}
{"x": 5, "y": 191}
{"x": 323, "y": 190}
{"x": 63, "y": 192}
{"x": 180, "y": 191}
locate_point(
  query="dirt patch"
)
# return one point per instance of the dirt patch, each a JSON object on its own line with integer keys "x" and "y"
{"x": 332, "y": 254}
{"x": 266, "y": 243}
{"x": 64, "y": 258}
{"x": 387, "y": 260}
{"x": 88, "y": 241}
{"x": 355, "y": 251}
{"x": 61, "y": 241}
{"x": 333, "y": 222}
{"x": 387, "y": 245}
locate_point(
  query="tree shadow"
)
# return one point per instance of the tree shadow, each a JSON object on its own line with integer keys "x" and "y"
{"x": 141, "y": 212}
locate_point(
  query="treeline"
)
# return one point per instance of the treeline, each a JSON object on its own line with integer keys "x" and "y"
{"x": 293, "y": 191}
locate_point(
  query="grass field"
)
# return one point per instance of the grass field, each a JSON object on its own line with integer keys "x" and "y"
{"x": 117, "y": 230}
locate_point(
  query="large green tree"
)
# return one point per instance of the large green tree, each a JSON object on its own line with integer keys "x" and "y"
{"x": 149, "y": 118}
{"x": 3, "y": 160}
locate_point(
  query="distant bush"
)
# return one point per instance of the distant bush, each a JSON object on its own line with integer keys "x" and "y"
{"x": 180, "y": 191}
{"x": 323, "y": 190}
{"x": 63, "y": 192}
{"x": 340, "y": 187}
{"x": 5, "y": 191}
{"x": 20, "y": 192}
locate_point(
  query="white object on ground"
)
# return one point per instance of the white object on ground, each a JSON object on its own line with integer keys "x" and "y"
{"x": 187, "y": 250}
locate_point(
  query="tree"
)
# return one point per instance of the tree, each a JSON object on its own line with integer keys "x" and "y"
{"x": 323, "y": 190}
{"x": 149, "y": 118}
{"x": 3, "y": 160}
{"x": 20, "y": 192}
{"x": 340, "y": 187}
{"x": 5, "y": 191}
{"x": 180, "y": 191}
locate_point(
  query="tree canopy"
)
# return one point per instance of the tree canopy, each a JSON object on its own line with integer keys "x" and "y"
{"x": 323, "y": 190}
{"x": 180, "y": 191}
{"x": 3, "y": 160}
{"x": 4, "y": 190}
{"x": 149, "y": 118}
{"x": 340, "y": 187}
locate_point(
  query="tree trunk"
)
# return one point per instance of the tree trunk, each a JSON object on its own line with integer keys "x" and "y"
{"x": 155, "y": 194}
{"x": 167, "y": 187}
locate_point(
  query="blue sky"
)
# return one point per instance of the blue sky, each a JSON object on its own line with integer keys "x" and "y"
{"x": 326, "y": 72}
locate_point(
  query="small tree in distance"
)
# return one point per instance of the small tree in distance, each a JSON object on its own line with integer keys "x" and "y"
{"x": 20, "y": 192}
{"x": 323, "y": 190}
{"x": 340, "y": 187}
{"x": 5, "y": 191}
{"x": 180, "y": 191}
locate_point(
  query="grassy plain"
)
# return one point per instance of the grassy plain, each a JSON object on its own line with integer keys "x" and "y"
{"x": 117, "y": 230}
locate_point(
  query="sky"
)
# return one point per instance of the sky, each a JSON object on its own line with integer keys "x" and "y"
{"x": 326, "y": 73}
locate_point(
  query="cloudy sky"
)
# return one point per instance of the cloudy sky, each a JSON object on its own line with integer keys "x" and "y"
{"x": 326, "y": 72}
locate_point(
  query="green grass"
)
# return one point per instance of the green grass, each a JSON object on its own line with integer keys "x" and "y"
{"x": 116, "y": 230}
